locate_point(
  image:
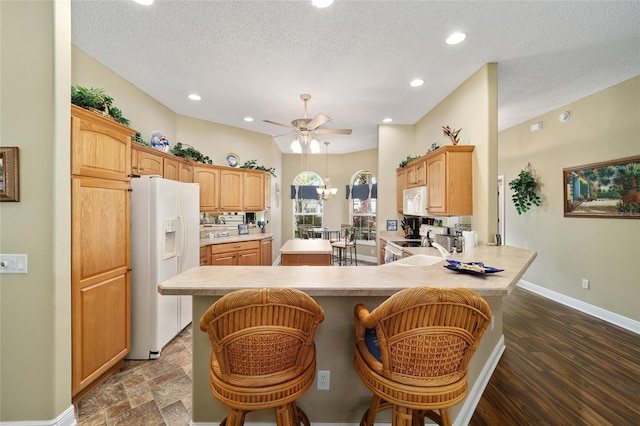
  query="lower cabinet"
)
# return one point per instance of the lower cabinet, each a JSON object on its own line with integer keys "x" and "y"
{"x": 246, "y": 253}
{"x": 266, "y": 248}
{"x": 100, "y": 279}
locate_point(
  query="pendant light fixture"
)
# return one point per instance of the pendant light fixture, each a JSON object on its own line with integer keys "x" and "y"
{"x": 326, "y": 191}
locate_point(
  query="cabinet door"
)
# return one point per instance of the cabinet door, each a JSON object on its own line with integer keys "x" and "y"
{"x": 410, "y": 176}
{"x": 437, "y": 192}
{"x": 231, "y": 197}
{"x": 205, "y": 255}
{"x": 450, "y": 181}
{"x": 253, "y": 191}
{"x": 99, "y": 147}
{"x": 421, "y": 173}
{"x": 186, "y": 172}
{"x": 150, "y": 164}
{"x": 171, "y": 169}
{"x": 249, "y": 257}
{"x": 401, "y": 175}
{"x": 209, "y": 179}
{"x": 266, "y": 247}
{"x": 100, "y": 281}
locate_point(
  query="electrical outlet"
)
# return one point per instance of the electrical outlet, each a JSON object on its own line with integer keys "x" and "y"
{"x": 323, "y": 379}
{"x": 585, "y": 283}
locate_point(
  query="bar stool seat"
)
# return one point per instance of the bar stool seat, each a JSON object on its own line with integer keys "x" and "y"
{"x": 263, "y": 355}
{"x": 413, "y": 350}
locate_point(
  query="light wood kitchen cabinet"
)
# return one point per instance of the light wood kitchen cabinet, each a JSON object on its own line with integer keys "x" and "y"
{"x": 171, "y": 169}
{"x": 100, "y": 248}
{"x": 266, "y": 250}
{"x": 186, "y": 172}
{"x": 253, "y": 191}
{"x": 231, "y": 194}
{"x": 401, "y": 176}
{"x": 450, "y": 181}
{"x": 205, "y": 256}
{"x": 209, "y": 179}
{"x": 146, "y": 163}
{"x": 245, "y": 253}
{"x": 416, "y": 173}
{"x": 100, "y": 147}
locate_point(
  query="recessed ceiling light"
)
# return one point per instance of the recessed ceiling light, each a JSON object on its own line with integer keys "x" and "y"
{"x": 321, "y": 4}
{"x": 144, "y": 2}
{"x": 416, "y": 83}
{"x": 387, "y": 120}
{"x": 194, "y": 97}
{"x": 248, "y": 119}
{"x": 455, "y": 38}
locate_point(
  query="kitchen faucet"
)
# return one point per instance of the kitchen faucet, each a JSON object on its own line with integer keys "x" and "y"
{"x": 443, "y": 251}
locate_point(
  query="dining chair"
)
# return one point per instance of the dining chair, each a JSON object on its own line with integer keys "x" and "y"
{"x": 347, "y": 246}
{"x": 262, "y": 352}
{"x": 413, "y": 351}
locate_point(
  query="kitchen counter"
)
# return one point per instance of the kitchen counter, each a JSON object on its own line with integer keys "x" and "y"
{"x": 338, "y": 289}
{"x": 233, "y": 237}
{"x": 309, "y": 252}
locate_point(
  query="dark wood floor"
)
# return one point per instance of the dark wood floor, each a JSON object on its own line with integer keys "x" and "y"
{"x": 561, "y": 367}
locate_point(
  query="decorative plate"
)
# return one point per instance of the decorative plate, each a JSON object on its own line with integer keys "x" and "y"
{"x": 473, "y": 268}
{"x": 233, "y": 160}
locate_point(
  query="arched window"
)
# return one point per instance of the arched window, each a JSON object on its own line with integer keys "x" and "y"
{"x": 363, "y": 205}
{"x": 307, "y": 207}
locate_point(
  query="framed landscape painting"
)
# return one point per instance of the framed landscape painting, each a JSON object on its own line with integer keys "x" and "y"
{"x": 9, "y": 176}
{"x": 607, "y": 189}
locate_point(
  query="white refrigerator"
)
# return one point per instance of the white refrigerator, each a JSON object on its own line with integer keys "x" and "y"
{"x": 165, "y": 241}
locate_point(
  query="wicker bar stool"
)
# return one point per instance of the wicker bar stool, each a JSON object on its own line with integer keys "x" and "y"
{"x": 413, "y": 350}
{"x": 263, "y": 355}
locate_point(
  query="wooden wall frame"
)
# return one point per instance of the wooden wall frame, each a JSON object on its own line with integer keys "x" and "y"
{"x": 609, "y": 189}
{"x": 9, "y": 174}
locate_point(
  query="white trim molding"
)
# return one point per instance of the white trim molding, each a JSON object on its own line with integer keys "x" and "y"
{"x": 67, "y": 418}
{"x": 608, "y": 316}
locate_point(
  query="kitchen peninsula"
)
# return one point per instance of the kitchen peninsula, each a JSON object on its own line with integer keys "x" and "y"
{"x": 338, "y": 290}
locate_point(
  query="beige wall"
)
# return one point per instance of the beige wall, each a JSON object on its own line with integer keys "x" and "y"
{"x": 603, "y": 126}
{"x": 35, "y": 323}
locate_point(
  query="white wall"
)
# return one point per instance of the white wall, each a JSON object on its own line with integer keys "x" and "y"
{"x": 603, "y": 126}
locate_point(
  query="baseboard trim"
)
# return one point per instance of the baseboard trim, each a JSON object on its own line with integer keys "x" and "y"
{"x": 468, "y": 407}
{"x": 608, "y": 316}
{"x": 67, "y": 418}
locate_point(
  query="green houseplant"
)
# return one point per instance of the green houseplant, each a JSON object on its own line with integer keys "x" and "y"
{"x": 190, "y": 153}
{"x": 98, "y": 101}
{"x": 524, "y": 190}
{"x": 253, "y": 164}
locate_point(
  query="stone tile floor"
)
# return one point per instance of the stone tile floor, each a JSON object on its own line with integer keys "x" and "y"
{"x": 144, "y": 393}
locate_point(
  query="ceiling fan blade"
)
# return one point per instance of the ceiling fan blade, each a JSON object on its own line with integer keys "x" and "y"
{"x": 319, "y": 120}
{"x": 277, "y": 124}
{"x": 333, "y": 131}
{"x": 284, "y": 134}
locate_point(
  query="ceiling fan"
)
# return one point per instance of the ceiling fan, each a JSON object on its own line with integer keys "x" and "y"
{"x": 307, "y": 128}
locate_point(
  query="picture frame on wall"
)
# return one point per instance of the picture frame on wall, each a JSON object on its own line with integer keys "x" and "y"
{"x": 608, "y": 189}
{"x": 392, "y": 225}
{"x": 9, "y": 174}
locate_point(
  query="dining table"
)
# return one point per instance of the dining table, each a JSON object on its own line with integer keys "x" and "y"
{"x": 327, "y": 233}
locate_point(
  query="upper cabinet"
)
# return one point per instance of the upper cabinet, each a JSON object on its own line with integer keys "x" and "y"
{"x": 101, "y": 148}
{"x": 450, "y": 181}
{"x": 209, "y": 179}
{"x": 416, "y": 173}
{"x": 254, "y": 191}
{"x": 447, "y": 173}
{"x": 231, "y": 185}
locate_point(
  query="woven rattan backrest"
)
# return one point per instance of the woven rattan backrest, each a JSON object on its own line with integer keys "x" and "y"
{"x": 266, "y": 333}
{"x": 429, "y": 333}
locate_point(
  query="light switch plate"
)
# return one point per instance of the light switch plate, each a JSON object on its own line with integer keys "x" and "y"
{"x": 13, "y": 263}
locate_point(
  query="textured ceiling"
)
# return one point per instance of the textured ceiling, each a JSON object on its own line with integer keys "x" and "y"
{"x": 255, "y": 58}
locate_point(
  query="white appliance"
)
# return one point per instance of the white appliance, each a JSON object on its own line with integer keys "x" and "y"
{"x": 165, "y": 241}
{"x": 414, "y": 201}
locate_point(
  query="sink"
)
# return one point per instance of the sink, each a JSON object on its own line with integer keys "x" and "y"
{"x": 417, "y": 260}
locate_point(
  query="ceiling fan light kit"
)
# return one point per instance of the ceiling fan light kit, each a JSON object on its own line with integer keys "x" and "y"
{"x": 306, "y": 129}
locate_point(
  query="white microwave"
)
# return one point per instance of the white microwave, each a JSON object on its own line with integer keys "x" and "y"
{"x": 414, "y": 201}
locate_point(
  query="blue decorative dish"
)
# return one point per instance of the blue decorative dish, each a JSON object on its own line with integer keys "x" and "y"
{"x": 473, "y": 268}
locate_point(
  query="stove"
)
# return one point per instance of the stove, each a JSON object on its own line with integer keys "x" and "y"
{"x": 407, "y": 243}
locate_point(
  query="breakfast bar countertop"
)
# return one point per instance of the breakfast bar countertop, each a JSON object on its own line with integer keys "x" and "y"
{"x": 358, "y": 280}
